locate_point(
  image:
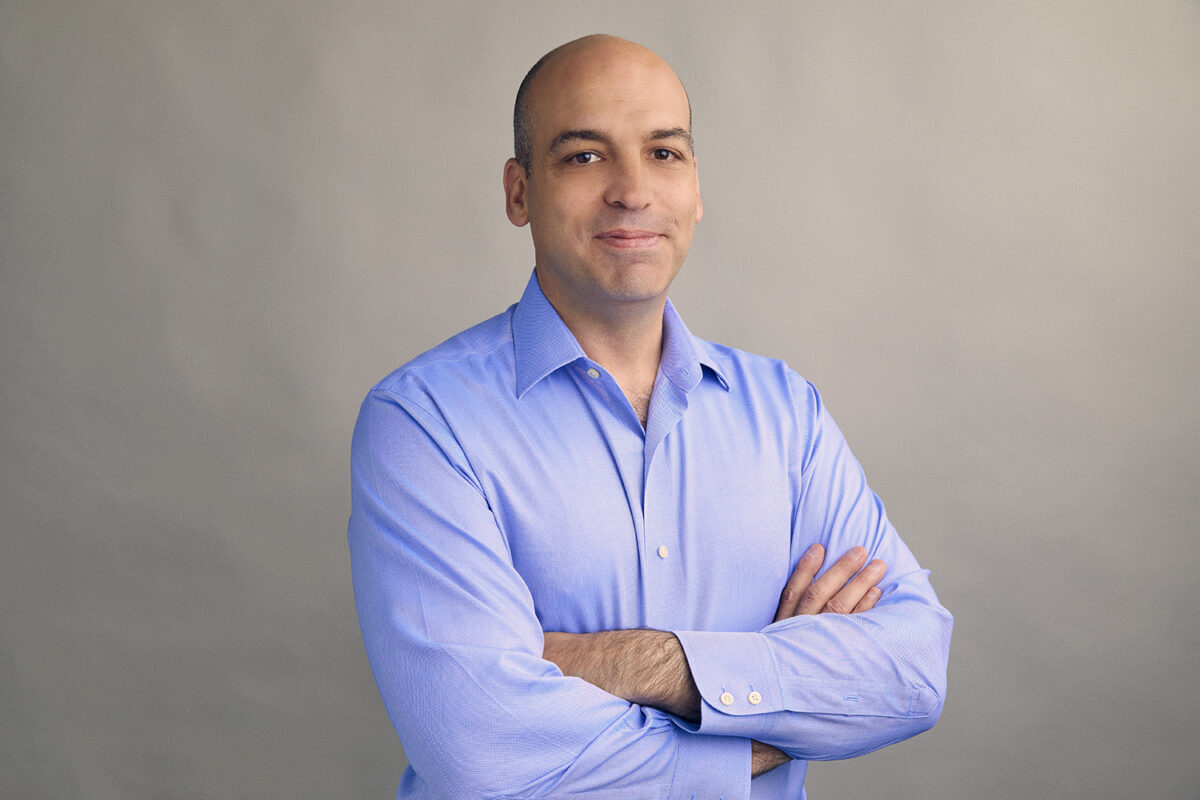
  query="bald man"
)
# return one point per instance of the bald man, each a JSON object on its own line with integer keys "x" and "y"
{"x": 589, "y": 548}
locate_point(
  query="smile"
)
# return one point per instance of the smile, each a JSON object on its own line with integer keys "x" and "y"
{"x": 629, "y": 238}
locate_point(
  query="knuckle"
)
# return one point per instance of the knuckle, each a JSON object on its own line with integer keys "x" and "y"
{"x": 811, "y": 596}
{"x": 839, "y": 605}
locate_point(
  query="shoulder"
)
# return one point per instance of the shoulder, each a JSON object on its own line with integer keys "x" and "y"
{"x": 758, "y": 374}
{"x": 483, "y": 351}
{"x": 419, "y": 400}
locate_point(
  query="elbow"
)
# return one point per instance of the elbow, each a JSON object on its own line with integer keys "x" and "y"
{"x": 923, "y": 670}
{"x": 868, "y": 734}
{"x": 926, "y": 711}
{"x": 925, "y": 703}
{"x": 933, "y": 717}
{"x": 908, "y": 691}
{"x": 930, "y": 712}
{"x": 932, "y": 673}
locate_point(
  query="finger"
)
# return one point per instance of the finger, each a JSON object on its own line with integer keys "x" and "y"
{"x": 822, "y": 590}
{"x": 869, "y": 600}
{"x": 849, "y": 596}
{"x": 800, "y": 579}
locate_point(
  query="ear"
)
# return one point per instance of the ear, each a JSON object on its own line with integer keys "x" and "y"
{"x": 515, "y": 183}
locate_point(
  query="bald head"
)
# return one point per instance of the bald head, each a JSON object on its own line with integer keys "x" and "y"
{"x": 572, "y": 56}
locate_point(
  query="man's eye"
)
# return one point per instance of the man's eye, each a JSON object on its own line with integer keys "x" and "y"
{"x": 663, "y": 154}
{"x": 583, "y": 158}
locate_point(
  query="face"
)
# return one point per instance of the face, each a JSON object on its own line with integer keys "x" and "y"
{"x": 612, "y": 195}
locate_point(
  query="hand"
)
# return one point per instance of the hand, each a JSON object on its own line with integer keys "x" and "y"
{"x": 838, "y": 591}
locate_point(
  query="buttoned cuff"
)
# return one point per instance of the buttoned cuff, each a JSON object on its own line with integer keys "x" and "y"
{"x": 738, "y": 683}
{"x": 741, "y": 688}
{"x": 716, "y": 767}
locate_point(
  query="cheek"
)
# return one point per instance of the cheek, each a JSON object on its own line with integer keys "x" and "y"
{"x": 685, "y": 203}
{"x": 560, "y": 210}
{"x": 555, "y": 230}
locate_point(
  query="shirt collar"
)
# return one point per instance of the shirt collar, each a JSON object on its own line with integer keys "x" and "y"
{"x": 543, "y": 343}
{"x": 684, "y": 357}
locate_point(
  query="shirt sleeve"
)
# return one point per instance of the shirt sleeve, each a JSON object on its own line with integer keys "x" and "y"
{"x": 455, "y": 646}
{"x": 831, "y": 686}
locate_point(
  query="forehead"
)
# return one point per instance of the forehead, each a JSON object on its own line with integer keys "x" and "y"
{"x": 610, "y": 89}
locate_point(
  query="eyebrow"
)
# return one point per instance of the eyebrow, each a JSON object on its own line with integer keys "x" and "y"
{"x": 587, "y": 135}
{"x": 672, "y": 133}
{"x": 577, "y": 135}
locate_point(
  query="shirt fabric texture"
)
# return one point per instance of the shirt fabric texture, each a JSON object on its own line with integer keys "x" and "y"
{"x": 503, "y": 486}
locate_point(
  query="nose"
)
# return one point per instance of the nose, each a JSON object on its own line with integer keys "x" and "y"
{"x": 628, "y": 186}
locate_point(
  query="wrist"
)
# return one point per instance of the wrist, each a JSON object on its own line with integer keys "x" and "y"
{"x": 764, "y": 758}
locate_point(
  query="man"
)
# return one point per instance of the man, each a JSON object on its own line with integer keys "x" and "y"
{"x": 588, "y": 547}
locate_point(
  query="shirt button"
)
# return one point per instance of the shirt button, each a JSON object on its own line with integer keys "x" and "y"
{"x": 755, "y": 698}
{"x": 662, "y": 551}
{"x": 593, "y": 373}
{"x": 726, "y": 699}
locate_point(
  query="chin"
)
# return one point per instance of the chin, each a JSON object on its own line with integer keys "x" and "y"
{"x": 639, "y": 289}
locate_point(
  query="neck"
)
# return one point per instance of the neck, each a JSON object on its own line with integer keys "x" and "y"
{"x": 629, "y": 351}
{"x": 628, "y": 344}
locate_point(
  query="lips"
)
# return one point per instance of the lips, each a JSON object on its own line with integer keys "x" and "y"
{"x": 629, "y": 238}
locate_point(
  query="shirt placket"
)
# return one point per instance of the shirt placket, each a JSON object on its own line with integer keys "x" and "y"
{"x": 663, "y": 568}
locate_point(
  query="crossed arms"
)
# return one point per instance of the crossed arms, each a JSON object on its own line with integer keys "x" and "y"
{"x": 489, "y": 705}
{"x": 649, "y": 667}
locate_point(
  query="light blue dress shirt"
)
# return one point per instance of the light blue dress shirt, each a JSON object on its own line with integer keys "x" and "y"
{"x": 503, "y": 486}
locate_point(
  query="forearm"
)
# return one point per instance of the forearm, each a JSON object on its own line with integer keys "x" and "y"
{"x": 828, "y": 686}
{"x": 641, "y": 666}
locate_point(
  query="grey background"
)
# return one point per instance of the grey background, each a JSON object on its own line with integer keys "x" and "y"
{"x": 973, "y": 225}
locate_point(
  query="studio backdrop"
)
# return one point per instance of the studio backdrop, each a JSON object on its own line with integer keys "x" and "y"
{"x": 975, "y": 226}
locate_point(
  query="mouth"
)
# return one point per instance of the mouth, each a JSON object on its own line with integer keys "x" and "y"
{"x": 625, "y": 238}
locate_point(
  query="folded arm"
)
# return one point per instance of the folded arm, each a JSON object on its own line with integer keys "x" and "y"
{"x": 832, "y": 686}
{"x": 649, "y": 666}
{"x": 813, "y": 685}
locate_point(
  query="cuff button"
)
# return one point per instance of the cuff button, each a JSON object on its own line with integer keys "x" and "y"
{"x": 726, "y": 699}
{"x": 755, "y": 698}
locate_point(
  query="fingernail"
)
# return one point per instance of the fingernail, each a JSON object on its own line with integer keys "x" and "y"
{"x": 811, "y": 552}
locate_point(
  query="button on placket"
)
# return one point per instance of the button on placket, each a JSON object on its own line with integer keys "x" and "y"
{"x": 662, "y": 551}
